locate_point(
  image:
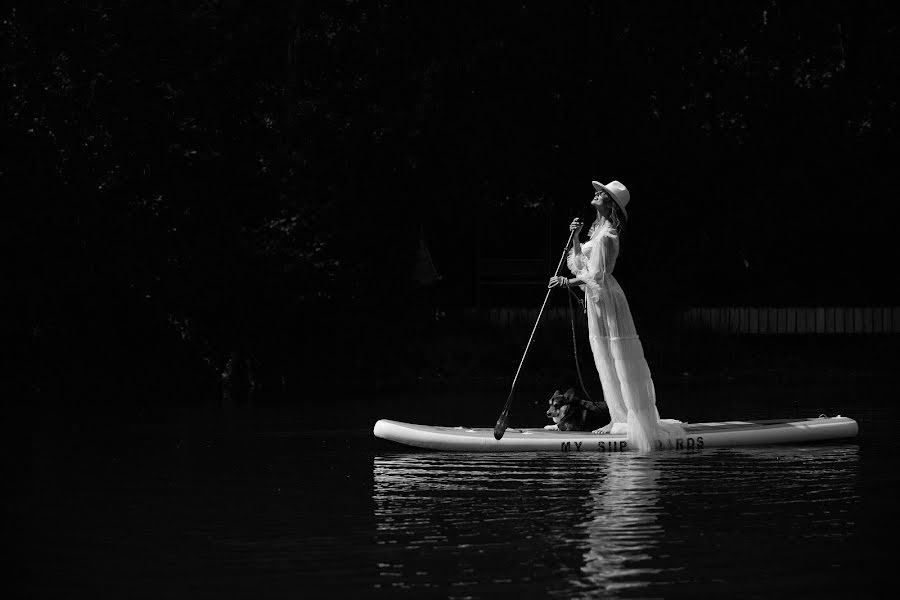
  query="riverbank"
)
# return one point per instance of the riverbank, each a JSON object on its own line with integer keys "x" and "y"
{"x": 465, "y": 360}
{"x": 674, "y": 359}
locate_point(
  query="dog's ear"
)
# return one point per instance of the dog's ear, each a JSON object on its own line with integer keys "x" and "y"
{"x": 569, "y": 393}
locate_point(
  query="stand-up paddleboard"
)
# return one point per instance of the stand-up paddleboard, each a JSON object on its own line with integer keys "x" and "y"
{"x": 698, "y": 436}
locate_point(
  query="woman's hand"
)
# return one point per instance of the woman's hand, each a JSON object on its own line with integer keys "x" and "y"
{"x": 558, "y": 282}
{"x": 576, "y": 226}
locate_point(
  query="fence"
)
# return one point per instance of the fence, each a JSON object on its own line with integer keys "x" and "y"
{"x": 750, "y": 320}
{"x": 522, "y": 317}
{"x": 792, "y": 320}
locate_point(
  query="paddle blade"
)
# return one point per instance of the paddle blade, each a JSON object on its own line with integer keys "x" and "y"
{"x": 503, "y": 421}
{"x": 500, "y": 427}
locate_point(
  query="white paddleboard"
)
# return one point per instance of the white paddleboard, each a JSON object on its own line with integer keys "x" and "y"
{"x": 698, "y": 436}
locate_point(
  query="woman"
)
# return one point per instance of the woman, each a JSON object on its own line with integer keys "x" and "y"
{"x": 624, "y": 373}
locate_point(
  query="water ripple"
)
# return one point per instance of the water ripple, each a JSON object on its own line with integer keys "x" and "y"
{"x": 610, "y": 523}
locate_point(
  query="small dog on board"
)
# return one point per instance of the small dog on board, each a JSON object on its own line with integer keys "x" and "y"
{"x": 571, "y": 413}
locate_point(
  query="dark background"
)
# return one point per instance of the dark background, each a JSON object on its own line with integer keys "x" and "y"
{"x": 223, "y": 202}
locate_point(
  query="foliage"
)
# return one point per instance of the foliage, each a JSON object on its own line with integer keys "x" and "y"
{"x": 200, "y": 187}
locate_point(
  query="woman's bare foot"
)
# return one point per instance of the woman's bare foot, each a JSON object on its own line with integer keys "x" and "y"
{"x": 604, "y": 430}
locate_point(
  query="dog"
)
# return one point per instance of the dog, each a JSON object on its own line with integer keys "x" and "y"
{"x": 571, "y": 413}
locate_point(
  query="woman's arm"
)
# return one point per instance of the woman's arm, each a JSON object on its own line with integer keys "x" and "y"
{"x": 604, "y": 247}
{"x": 562, "y": 281}
{"x": 589, "y": 271}
{"x": 576, "y": 227}
{"x": 575, "y": 257}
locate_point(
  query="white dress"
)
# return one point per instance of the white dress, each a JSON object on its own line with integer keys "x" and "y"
{"x": 618, "y": 353}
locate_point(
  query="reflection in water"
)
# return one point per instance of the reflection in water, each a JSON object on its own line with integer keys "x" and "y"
{"x": 618, "y": 524}
{"x": 623, "y": 529}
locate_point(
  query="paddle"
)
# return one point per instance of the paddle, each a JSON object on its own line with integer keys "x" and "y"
{"x": 503, "y": 420}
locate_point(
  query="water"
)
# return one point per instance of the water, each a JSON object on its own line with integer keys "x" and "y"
{"x": 565, "y": 526}
{"x": 281, "y": 504}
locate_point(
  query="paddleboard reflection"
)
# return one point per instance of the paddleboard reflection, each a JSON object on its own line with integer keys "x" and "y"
{"x": 583, "y": 523}
{"x": 468, "y": 520}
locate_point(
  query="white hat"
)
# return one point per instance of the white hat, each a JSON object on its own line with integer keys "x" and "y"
{"x": 617, "y": 191}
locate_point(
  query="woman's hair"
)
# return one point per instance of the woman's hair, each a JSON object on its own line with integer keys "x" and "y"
{"x": 617, "y": 220}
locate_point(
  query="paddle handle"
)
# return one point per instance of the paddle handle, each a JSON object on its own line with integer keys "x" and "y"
{"x": 503, "y": 420}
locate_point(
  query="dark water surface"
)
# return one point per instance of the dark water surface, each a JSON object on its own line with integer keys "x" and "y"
{"x": 279, "y": 504}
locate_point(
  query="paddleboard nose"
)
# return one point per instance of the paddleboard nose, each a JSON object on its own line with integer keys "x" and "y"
{"x": 379, "y": 429}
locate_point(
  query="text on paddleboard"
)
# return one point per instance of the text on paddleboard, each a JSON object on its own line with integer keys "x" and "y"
{"x": 689, "y": 443}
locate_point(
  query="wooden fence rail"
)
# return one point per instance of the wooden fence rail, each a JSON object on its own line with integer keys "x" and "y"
{"x": 750, "y": 320}
{"x": 761, "y": 320}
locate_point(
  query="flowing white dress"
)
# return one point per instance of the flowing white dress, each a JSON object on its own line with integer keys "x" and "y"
{"x": 618, "y": 353}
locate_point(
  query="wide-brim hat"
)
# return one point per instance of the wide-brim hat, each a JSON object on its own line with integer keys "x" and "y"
{"x": 618, "y": 192}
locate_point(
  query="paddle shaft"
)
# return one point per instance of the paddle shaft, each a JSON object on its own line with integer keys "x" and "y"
{"x": 503, "y": 420}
